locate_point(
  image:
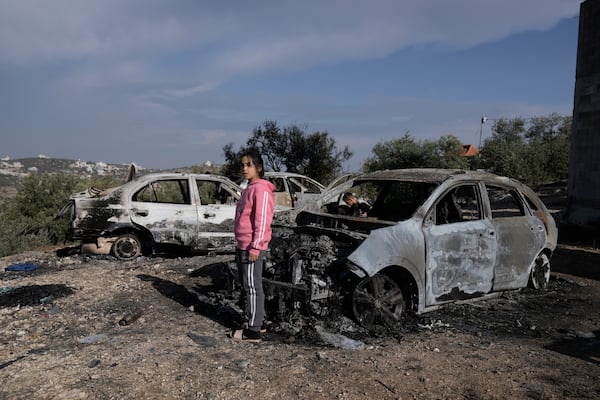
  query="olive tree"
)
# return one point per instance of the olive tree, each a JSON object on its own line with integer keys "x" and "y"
{"x": 29, "y": 217}
{"x": 535, "y": 150}
{"x": 291, "y": 149}
{"x": 408, "y": 152}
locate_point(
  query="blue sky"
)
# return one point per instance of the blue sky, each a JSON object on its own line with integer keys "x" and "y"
{"x": 167, "y": 84}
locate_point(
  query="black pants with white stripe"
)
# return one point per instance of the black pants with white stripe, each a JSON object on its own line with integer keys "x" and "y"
{"x": 251, "y": 281}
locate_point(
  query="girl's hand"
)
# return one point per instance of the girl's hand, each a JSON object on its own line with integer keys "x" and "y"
{"x": 252, "y": 257}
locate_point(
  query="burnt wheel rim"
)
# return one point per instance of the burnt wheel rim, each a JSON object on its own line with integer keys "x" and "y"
{"x": 540, "y": 274}
{"x": 127, "y": 247}
{"x": 378, "y": 300}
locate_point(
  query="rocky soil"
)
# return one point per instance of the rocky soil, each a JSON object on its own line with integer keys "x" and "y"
{"x": 62, "y": 337}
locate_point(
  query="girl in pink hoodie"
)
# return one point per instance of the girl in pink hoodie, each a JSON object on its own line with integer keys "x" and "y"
{"x": 253, "y": 217}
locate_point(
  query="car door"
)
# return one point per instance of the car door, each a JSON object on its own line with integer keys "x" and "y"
{"x": 282, "y": 192}
{"x": 303, "y": 190}
{"x": 520, "y": 235}
{"x": 460, "y": 246}
{"x": 216, "y": 214}
{"x": 164, "y": 207}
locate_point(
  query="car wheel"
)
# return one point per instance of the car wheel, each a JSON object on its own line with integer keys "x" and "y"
{"x": 540, "y": 272}
{"x": 378, "y": 300}
{"x": 127, "y": 247}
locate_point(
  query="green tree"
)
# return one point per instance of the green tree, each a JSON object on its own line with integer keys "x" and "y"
{"x": 272, "y": 143}
{"x": 320, "y": 159}
{"x": 446, "y": 152}
{"x": 504, "y": 153}
{"x": 291, "y": 149}
{"x": 535, "y": 151}
{"x": 408, "y": 152}
{"x": 549, "y": 141}
{"x": 405, "y": 152}
{"x": 29, "y": 217}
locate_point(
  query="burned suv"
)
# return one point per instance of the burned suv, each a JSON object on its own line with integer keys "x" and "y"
{"x": 155, "y": 211}
{"x": 430, "y": 237}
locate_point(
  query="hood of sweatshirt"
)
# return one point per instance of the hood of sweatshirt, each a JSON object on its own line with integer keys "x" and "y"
{"x": 263, "y": 183}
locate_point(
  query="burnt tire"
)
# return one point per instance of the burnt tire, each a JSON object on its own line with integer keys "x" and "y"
{"x": 127, "y": 247}
{"x": 378, "y": 300}
{"x": 540, "y": 272}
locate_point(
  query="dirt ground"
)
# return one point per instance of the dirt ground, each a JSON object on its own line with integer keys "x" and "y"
{"x": 60, "y": 338}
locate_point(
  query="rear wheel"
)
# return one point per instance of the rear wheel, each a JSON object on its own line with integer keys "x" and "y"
{"x": 540, "y": 273}
{"x": 378, "y": 300}
{"x": 127, "y": 247}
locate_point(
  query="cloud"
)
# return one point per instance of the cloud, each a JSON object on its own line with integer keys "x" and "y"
{"x": 193, "y": 75}
{"x": 223, "y": 41}
{"x": 201, "y": 88}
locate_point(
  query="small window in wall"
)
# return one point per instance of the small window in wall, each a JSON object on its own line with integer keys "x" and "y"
{"x": 175, "y": 191}
{"x": 505, "y": 203}
{"x": 460, "y": 204}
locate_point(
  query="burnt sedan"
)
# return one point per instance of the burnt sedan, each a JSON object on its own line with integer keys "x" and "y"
{"x": 155, "y": 211}
{"x": 431, "y": 237}
{"x": 294, "y": 190}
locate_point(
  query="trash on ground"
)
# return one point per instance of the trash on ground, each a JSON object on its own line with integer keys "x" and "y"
{"x": 130, "y": 318}
{"x": 27, "y": 267}
{"x": 207, "y": 341}
{"x": 100, "y": 337}
{"x": 338, "y": 340}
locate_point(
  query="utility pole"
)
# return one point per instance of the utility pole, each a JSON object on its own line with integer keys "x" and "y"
{"x": 483, "y": 119}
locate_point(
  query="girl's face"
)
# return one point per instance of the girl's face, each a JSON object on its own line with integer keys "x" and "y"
{"x": 249, "y": 170}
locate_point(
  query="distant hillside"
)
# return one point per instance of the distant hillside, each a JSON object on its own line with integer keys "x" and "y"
{"x": 13, "y": 169}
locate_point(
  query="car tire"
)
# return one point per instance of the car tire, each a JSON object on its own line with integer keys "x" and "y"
{"x": 540, "y": 272}
{"x": 127, "y": 247}
{"x": 378, "y": 300}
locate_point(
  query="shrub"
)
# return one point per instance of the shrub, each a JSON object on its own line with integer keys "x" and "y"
{"x": 29, "y": 218}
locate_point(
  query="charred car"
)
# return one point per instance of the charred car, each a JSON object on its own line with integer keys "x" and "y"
{"x": 430, "y": 238}
{"x": 294, "y": 190}
{"x": 155, "y": 211}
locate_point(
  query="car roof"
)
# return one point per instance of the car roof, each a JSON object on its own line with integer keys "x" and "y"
{"x": 291, "y": 175}
{"x": 433, "y": 175}
{"x": 180, "y": 175}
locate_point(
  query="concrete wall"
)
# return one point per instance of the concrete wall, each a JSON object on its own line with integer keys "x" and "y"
{"x": 583, "y": 205}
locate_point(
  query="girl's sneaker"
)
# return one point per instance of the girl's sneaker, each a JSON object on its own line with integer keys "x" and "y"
{"x": 246, "y": 335}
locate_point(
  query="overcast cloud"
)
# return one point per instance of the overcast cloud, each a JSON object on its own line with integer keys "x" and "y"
{"x": 165, "y": 73}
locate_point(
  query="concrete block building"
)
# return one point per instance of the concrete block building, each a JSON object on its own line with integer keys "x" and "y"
{"x": 583, "y": 193}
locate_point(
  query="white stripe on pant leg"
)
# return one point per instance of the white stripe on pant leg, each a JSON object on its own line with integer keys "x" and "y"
{"x": 263, "y": 221}
{"x": 252, "y": 290}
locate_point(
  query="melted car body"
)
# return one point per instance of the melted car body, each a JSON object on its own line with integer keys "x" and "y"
{"x": 431, "y": 237}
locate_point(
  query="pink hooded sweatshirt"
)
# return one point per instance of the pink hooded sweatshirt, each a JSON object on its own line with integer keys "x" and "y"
{"x": 253, "y": 216}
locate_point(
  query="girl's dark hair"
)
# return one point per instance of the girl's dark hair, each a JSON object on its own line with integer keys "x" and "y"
{"x": 256, "y": 158}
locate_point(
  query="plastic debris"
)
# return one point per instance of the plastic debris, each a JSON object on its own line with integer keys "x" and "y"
{"x": 21, "y": 267}
{"x": 207, "y": 341}
{"x": 130, "y": 318}
{"x": 54, "y": 310}
{"x": 100, "y": 337}
{"x": 434, "y": 324}
{"x": 339, "y": 340}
